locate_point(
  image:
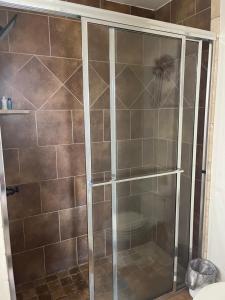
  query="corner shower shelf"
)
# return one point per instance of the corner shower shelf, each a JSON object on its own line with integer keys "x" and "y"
{"x": 14, "y": 112}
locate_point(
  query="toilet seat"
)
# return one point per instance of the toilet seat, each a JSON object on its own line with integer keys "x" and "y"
{"x": 214, "y": 291}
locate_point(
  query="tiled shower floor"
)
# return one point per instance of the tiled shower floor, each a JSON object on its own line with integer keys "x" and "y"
{"x": 142, "y": 273}
{"x": 66, "y": 285}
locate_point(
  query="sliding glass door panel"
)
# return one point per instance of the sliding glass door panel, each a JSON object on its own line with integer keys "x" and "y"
{"x": 142, "y": 136}
{"x": 145, "y": 238}
{"x": 147, "y": 97}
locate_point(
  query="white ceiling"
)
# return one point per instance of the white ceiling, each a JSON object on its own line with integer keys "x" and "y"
{"x": 149, "y": 4}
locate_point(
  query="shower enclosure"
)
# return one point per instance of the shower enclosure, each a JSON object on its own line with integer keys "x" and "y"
{"x": 147, "y": 162}
{"x": 145, "y": 106}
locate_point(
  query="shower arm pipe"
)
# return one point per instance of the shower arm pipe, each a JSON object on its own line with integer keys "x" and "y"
{"x": 178, "y": 171}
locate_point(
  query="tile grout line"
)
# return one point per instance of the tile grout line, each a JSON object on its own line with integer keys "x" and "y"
{"x": 59, "y": 222}
{"x": 77, "y": 260}
{"x": 41, "y": 200}
{"x": 72, "y": 124}
{"x": 36, "y": 127}
{"x": 24, "y": 243}
{"x": 43, "y": 249}
{"x": 49, "y": 37}
{"x": 39, "y": 55}
{"x": 56, "y": 160}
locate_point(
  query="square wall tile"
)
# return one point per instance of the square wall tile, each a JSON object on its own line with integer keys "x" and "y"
{"x": 129, "y": 47}
{"x": 129, "y": 154}
{"x": 80, "y": 190}
{"x": 96, "y": 125}
{"x": 61, "y": 256}
{"x": 168, "y": 124}
{"x": 164, "y": 13}
{"x": 102, "y": 215}
{"x": 57, "y": 194}
{"x": 98, "y": 194}
{"x": 35, "y": 74}
{"x": 70, "y": 160}
{"x": 54, "y": 127}
{"x": 182, "y": 9}
{"x": 24, "y": 271}
{"x": 201, "y": 20}
{"x": 78, "y": 126}
{"x": 98, "y": 41}
{"x": 65, "y": 36}
{"x": 10, "y": 64}
{"x": 11, "y": 165}
{"x": 188, "y": 125}
{"x": 30, "y": 35}
{"x": 4, "y": 46}
{"x": 82, "y": 248}
{"x": 99, "y": 244}
{"x": 26, "y": 202}
{"x": 18, "y": 131}
{"x": 202, "y": 4}
{"x": 101, "y": 159}
{"x": 37, "y": 164}
{"x": 16, "y": 236}
{"x": 144, "y": 124}
{"x": 73, "y": 222}
{"x": 41, "y": 230}
{"x": 122, "y": 124}
{"x": 61, "y": 67}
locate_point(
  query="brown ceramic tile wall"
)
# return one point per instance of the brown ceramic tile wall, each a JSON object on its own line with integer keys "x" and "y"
{"x": 193, "y": 13}
{"x": 43, "y": 153}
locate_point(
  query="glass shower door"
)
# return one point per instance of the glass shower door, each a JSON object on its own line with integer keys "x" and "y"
{"x": 133, "y": 112}
{"x": 146, "y": 145}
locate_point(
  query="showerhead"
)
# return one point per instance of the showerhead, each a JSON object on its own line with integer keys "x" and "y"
{"x": 5, "y": 30}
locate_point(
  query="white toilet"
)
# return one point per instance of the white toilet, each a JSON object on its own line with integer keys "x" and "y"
{"x": 215, "y": 291}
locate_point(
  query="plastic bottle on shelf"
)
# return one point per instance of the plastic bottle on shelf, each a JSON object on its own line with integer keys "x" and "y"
{"x": 4, "y": 103}
{"x": 9, "y": 103}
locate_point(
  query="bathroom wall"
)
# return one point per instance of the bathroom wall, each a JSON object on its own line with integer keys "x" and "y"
{"x": 41, "y": 70}
{"x": 42, "y": 153}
